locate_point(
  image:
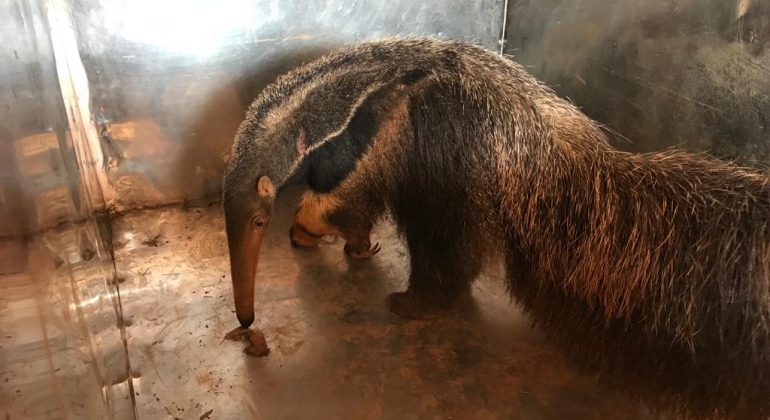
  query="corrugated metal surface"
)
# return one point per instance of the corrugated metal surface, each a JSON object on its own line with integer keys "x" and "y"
{"x": 661, "y": 72}
{"x": 62, "y": 353}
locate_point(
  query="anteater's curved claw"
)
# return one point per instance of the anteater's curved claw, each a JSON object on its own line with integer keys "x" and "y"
{"x": 362, "y": 255}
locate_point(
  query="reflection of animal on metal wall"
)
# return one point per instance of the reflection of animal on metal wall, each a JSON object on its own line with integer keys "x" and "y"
{"x": 651, "y": 269}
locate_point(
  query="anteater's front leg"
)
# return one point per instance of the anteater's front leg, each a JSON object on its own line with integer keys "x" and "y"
{"x": 355, "y": 224}
{"x": 319, "y": 215}
{"x": 443, "y": 267}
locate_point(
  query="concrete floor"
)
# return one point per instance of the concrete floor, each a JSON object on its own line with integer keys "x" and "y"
{"x": 336, "y": 352}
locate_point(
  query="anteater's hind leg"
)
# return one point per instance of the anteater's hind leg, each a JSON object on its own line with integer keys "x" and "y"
{"x": 444, "y": 264}
{"x": 319, "y": 215}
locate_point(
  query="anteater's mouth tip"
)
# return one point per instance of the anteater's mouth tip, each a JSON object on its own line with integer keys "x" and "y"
{"x": 246, "y": 321}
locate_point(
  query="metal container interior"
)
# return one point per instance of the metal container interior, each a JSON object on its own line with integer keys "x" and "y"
{"x": 116, "y": 124}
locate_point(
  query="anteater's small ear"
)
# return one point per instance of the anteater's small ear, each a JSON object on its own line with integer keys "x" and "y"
{"x": 302, "y": 140}
{"x": 265, "y": 187}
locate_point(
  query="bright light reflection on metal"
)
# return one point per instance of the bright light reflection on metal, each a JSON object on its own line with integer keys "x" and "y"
{"x": 196, "y": 28}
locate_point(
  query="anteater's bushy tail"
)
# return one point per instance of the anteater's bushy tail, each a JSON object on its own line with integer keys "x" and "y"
{"x": 654, "y": 271}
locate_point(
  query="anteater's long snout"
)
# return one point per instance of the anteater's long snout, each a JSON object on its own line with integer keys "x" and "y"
{"x": 244, "y": 258}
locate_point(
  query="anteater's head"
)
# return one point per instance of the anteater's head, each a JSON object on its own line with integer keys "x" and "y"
{"x": 248, "y": 208}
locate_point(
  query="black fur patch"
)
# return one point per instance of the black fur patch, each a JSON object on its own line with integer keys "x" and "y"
{"x": 324, "y": 168}
{"x": 413, "y": 76}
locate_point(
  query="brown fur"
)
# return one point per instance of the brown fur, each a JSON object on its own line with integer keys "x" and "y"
{"x": 652, "y": 270}
{"x": 312, "y": 211}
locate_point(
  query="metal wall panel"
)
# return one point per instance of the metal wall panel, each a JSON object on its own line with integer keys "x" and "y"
{"x": 61, "y": 349}
{"x": 39, "y": 184}
{"x": 660, "y": 72}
